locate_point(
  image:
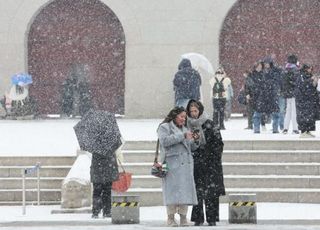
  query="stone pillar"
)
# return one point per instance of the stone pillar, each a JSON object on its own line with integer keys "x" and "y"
{"x": 242, "y": 208}
{"x": 125, "y": 210}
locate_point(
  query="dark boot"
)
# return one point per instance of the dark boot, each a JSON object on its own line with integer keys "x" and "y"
{"x": 96, "y": 206}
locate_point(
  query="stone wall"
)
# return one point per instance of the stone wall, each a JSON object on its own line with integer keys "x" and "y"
{"x": 157, "y": 33}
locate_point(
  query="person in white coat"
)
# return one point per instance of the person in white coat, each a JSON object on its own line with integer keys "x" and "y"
{"x": 176, "y": 144}
{"x": 219, "y": 86}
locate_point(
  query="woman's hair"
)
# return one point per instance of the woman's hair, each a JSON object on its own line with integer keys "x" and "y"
{"x": 173, "y": 114}
{"x": 197, "y": 104}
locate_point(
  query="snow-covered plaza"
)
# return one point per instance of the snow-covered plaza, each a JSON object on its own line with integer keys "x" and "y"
{"x": 56, "y": 138}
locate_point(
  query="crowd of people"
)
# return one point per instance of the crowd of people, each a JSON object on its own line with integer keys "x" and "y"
{"x": 284, "y": 95}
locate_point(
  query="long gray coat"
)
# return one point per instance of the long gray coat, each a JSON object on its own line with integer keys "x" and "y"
{"x": 178, "y": 186}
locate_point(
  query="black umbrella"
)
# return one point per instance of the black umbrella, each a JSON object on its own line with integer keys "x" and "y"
{"x": 98, "y": 132}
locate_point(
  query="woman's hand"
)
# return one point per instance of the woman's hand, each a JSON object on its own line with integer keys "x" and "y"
{"x": 196, "y": 135}
{"x": 188, "y": 135}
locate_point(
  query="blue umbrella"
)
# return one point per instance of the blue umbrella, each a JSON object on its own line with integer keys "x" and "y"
{"x": 21, "y": 79}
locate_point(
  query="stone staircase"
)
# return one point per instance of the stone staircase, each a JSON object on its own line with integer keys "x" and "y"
{"x": 277, "y": 171}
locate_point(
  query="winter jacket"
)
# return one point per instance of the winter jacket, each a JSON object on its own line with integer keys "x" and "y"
{"x": 307, "y": 101}
{"x": 187, "y": 82}
{"x": 288, "y": 79}
{"x": 104, "y": 169}
{"x": 226, "y": 83}
{"x": 207, "y": 157}
{"x": 178, "y": 186}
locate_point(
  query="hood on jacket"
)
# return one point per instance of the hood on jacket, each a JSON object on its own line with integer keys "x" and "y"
{"x": 292, "y": 59}
{"x": 185, "y": 63}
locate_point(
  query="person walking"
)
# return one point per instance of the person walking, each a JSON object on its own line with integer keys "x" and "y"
{"x": 219, "y": 85}
{"x": 208, "y": 173}
{"x": 178, "y": 187}
{"x": 288, "y": 87}
{"x": 306, "y": 101}
{"x": 186, "y": 84}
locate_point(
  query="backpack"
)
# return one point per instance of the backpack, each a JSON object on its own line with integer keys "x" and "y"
{"x": 218, "y": 88}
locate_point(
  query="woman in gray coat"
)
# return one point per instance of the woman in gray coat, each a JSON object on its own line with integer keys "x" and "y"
{"x": 178, "y": 187}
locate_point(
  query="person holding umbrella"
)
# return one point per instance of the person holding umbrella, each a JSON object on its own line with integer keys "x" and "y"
{"x": 186, "y": 83}
{"x": 98, "y": 133}
{"x": 178, "y": 187}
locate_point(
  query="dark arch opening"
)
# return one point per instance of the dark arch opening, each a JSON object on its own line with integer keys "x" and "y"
{"x": 254, "y": 29}
{"x": 82, "y": 33}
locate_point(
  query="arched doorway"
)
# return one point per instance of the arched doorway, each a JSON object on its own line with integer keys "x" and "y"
{"x": 81, "y": 33}
{"x": 254, "y": 29}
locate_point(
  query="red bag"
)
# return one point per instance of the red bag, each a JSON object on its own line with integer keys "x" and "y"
{"x": 123, "y": 183}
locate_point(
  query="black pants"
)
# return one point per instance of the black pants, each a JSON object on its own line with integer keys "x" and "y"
{"x": 250, "y": 115}
{"x": 211, "y": 202}
{"x": 218, "y": 111}
{"x": 211, "y": 205}
{"x": 101, "y": 198}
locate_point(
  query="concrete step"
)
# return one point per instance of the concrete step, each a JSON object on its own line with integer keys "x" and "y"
{"x": 249, "y": 168}
{"x": 31, "y": 161}
{"x": 31, "y": 182}
{"x": 135, "y": 156}
{"x": 45, "y": 171}
{"x": 244, "y": 168}
{"x": 244, "y": 181}
{"x": 241, "y": 145}
{"x": 146, "y": 181}
{"x": 53, "y": 195}
{"x": 153, "y": 197}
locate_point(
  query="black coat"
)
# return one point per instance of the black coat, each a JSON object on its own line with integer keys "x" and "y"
{"x": 208, "y": 163}
{"x": 187, "y": 82}
{"x": 265, "y": 91}
{"x": 288, "y": 80}
{"x": 104, "y": 169}
{"x": 307, "y": 101}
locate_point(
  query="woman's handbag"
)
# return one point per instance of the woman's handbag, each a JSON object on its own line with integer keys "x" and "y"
{"x": 124, "y": 181}
{"x": 158, "y": 170}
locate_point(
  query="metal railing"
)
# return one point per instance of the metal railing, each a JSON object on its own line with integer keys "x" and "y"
{"x": 29, "y": 171}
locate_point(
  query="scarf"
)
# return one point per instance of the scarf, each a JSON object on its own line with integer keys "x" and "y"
{"x": 196, "y": 123}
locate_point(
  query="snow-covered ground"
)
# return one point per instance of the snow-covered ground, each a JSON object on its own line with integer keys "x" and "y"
{"x": 56, "y": 137}
{"x": 269, "y": 215}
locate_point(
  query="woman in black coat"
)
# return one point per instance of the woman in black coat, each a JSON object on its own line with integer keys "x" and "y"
{"x": 208, "y": 173}
{"x": 306, "y": 101}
